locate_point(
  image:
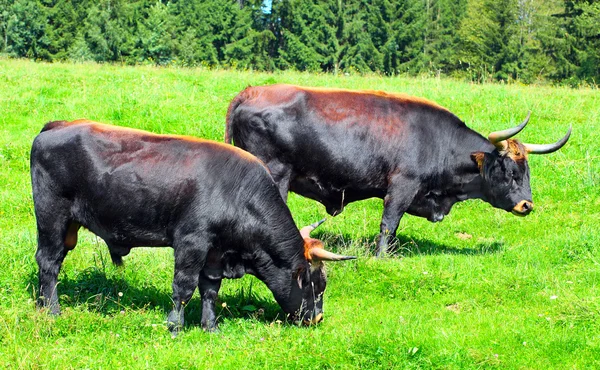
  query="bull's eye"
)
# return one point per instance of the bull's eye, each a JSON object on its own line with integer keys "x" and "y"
{"x": 517, "y": 178}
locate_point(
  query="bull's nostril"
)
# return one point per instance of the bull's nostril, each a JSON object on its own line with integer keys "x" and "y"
{"x": 318, "y": 319}
{"x": 523, "y": 208}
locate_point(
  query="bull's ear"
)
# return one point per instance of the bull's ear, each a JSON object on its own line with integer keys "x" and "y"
{"x": 298, "y": 275}
{"x": 479, "y": 158}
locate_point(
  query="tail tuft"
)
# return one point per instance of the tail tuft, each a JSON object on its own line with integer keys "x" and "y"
{"x": 239, "y": 99}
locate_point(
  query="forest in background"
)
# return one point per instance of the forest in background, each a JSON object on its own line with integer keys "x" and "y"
{"x": 480, "y": 40}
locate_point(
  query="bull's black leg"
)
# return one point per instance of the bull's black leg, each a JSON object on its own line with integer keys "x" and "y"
{"x": 189, "y": 259}
{"x": 395, "y": 203}
{"x": 51, "y": 251}
{"x": 209, "y": 289}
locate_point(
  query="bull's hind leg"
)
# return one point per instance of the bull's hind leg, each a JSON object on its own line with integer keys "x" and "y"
{"x": 56, "y": 236}
{"x": 209, "y": 289}
{"x": 189, "y": 260}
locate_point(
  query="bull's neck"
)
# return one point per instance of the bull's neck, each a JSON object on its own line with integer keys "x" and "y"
{"x": 467, "y": 181}
{"x": 276, "y": 266}
{"x": 280, "y": 280}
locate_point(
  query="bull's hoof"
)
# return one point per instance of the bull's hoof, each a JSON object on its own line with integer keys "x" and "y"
{"x": 382, "y": 251}
{"x": 380, "y": 254}
{"x": 174, "y": 328}
{"x": 52, "y": 309}
{"x": 175, "y": 322}
{"x": 383, "y": 245}
{"x": 211, "y": 329}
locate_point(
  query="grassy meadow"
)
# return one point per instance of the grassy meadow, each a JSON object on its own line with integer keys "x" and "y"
{"x": 482, "y": 289}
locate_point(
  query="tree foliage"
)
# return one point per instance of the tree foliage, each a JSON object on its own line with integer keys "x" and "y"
{"x": 528, "y": 40}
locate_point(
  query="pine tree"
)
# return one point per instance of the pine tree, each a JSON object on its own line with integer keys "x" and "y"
{"x": 61, "y": 29}
{"x": 250, "y": 43}
{"x": 487, "y": 35}
{"x": 535, "y": 28}
{"x": 108, "y": 31}
{"x": 357, "y": 48}
{"x": 441, "y": 37}
{"x": 580, "y": 56}
{"x": 407, "y": 44}
{"x": 24, "y": 29}
{"x": 157, "y": 36}
{"x": 306, "y": 35}
{"x": 5, "y": 13}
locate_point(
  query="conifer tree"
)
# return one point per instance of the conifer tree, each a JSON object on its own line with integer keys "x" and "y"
{"x": 307, "y": 35}
{"x": 24, "y": 29}
{"x": 357, "y": 49}
{"x": 483, "y": 40}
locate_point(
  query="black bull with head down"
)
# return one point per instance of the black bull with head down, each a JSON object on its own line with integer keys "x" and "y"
{"x": 339, "y": 146}
{"x": 215, "y": 205}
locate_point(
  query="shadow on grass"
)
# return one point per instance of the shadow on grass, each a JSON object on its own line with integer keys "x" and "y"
{"x": 404, "y": 246}
{"x": 109, "y": 296}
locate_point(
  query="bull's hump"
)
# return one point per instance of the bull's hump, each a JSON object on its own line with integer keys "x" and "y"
{"x": 126, "y": 133}
{"x": 404, "y": 98}
{"x": 273, "y": 95}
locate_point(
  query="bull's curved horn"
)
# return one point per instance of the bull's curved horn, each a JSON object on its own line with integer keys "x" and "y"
{"x": 548, "y": 148}
{"x": 497, "y": 137}
{"x": 306, "y": 230}
{"x": 320, "y": 254}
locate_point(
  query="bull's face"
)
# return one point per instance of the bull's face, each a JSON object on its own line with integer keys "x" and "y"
{"x": 311, "y": 279}
{"x": 505, "y": 182}
{"x": 312, "y": 283}
{"x": 505, "y": 172}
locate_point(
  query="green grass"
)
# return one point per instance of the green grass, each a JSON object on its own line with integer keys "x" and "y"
{"x": 474, "y": 291}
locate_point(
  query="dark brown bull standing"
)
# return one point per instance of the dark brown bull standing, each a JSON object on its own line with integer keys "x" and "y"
{"x": 216, "y": 205}
{"x": 339, "y": 146}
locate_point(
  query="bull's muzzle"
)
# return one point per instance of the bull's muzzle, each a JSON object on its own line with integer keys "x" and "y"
{"x": 315, "y": 320}
{"x": 523, "y": 208}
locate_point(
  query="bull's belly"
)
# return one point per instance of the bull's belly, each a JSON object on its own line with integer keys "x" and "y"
{"x": 118, "y": 224}
{"x": 118, "y": 231}
{"x": 333, "y": 198}
{"x": 132, "y": 237}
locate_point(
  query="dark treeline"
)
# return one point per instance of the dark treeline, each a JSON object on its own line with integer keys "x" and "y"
{"x": 527, "y": 40}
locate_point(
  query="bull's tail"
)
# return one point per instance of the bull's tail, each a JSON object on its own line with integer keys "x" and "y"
{"x": 239, "y": 99}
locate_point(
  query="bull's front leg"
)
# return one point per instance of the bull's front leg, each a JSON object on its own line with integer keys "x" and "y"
{"x": 395, "y": 204}
{"x": 209, "y": 290}
{"x": 189, "y": 260}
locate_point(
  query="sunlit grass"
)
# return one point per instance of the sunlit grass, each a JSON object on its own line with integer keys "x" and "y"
{"x": 481, "y": 289}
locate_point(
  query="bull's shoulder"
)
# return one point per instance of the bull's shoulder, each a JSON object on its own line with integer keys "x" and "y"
{"x": 402, "y": 97}
{"x": 267, "y": 95}
{"x": 75, "y": 125}
{"x": 56, "y": 125}
{"x": 270, "y": 95}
